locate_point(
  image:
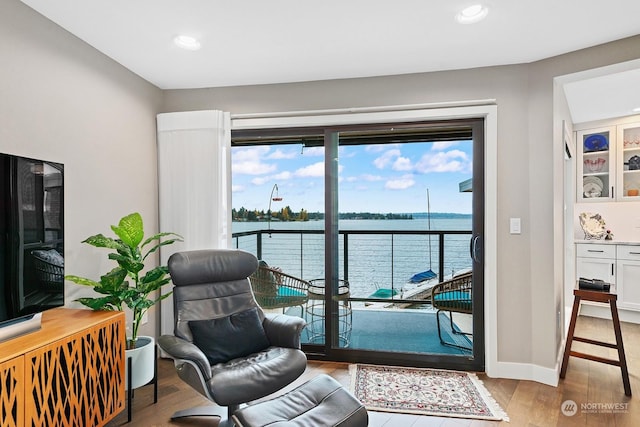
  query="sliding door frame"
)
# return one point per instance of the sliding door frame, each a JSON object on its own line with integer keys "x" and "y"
{"x": 335, "y": 119}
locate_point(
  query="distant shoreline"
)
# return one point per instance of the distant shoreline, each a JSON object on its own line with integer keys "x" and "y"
{"x": 316, "y": 216}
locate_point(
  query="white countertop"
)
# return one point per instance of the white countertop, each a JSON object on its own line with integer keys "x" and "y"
{"x": 608, "y": 242}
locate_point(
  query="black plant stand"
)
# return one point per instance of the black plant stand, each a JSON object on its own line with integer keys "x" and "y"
{"x": 153, "y": 381}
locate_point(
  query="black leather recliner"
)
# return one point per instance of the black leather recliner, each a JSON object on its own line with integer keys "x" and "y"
{"x": 213, "y": 284}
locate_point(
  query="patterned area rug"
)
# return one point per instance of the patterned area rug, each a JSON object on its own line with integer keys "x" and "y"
{"x": 424, "y": 392}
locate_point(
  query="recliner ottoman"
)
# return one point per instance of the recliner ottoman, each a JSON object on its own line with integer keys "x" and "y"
{"x": 320, "y": 402}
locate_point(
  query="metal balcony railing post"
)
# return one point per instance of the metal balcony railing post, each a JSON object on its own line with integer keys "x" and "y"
{"x": 259, "y": 245}
{"x": 392, "y": 253}
{"x": 301, "y": 254}
{"x": 441, "y": 256}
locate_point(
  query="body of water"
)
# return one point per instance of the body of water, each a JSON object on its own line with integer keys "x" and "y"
{"x": 374, "y": 260}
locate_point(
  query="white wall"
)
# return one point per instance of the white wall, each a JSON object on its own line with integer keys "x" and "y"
{"x": 61, "y": 100}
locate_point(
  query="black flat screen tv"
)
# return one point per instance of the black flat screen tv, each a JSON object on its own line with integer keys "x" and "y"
{"x": 31, "y": 242}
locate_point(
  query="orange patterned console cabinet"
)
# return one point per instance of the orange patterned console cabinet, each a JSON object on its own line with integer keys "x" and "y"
{"x": 70, "y": 372}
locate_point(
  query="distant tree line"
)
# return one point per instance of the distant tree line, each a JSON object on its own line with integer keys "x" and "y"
{"x": 286, "y": 214}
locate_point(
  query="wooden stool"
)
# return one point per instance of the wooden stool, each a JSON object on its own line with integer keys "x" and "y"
{"x": 597, "y": 296}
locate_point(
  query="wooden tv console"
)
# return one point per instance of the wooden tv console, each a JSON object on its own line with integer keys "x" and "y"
{"x": 70, "y": 372}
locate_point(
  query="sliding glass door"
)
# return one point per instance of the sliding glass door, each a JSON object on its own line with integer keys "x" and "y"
{"x": 380, "y": 218}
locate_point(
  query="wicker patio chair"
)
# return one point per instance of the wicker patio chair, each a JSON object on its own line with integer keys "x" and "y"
{"x": 274, "y": 289}
{"x": 453, "y": 295}
{"x": 49, "y": 266}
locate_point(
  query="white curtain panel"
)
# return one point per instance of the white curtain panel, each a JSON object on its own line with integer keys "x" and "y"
{"x": 194, "y": 173}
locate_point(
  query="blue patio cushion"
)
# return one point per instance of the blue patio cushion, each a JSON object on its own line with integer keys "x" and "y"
{"x": 289, "y": 295}
{"x": 454, "y": 299}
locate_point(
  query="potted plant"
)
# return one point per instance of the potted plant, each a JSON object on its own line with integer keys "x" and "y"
{"x": 126, "y": 285}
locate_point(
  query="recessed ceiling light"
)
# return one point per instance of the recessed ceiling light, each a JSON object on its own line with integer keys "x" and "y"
{"x": 187, "y": 42}
{"x": 636, "y": 110}
{"x": 472, "y": 14}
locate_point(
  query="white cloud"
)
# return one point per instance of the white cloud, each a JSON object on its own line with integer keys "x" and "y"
{"x": 313, "y": 151}
{"x": 449, "y": 161}
{"x": 314, "y": 170}
{"x": 261, "y": 180}
{"x": 401, "y": 183}
{"x": 442, "y": 145}
{"x": 249, "y": 153}
{"x": 379, "y": 148}
{"x": 384, "y": 160}
{"x": 253, "y": 168}
{"x": 237, "y": 188}
{"x": 282, "y": 176}
{"x": 402, "y": 164}
{"x": 249, "y": 161}
{"x": 279, "y": 154}
{"x": 369, "y": 177}
{"x": 343, "y": 153}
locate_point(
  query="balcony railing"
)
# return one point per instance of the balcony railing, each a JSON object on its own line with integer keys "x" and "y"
{"x": 369, "y": 259}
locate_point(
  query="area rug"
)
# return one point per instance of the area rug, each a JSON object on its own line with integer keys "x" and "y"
{"x": 424, "y": 392}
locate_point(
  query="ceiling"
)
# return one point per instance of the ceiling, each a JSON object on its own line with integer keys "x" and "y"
{"x": 246, "y": 42}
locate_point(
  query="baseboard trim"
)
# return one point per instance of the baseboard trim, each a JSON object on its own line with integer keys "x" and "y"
{"x": 604, "y": 312}
{"x": 529, "y": 372}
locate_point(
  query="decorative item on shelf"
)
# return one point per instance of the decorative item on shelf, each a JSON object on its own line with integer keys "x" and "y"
{"x": 609, "y": 235}
{"x": 592, "y": 186}
{"x": 593, "y": 226}
{"x": 633, "y": 192}
{"x": 594, "y": 165}
{"x": 633, "y": 163}
{"x": 596, "y": 142}
{"x": 130, "y": 254}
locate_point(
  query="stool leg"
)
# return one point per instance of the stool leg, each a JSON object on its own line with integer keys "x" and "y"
{"x": 572, "y": 328}
{"x": 620, "y": 345}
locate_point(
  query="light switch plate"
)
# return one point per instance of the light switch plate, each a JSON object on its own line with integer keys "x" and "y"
{"x": 514, "y": 226}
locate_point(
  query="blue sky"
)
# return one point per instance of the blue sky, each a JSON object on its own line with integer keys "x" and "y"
{"x": 382, "y": 178}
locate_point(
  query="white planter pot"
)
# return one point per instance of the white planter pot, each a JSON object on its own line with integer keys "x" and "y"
{"x": 142, "y": 362}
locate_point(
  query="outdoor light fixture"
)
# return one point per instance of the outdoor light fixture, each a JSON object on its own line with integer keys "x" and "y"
{"x": 273, "y": 198}
{"x": 472, "y": 14}
{"x": 187, "y": 42}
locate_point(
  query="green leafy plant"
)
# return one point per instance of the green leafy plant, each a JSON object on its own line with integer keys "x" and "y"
{"x": 125, "y": 285}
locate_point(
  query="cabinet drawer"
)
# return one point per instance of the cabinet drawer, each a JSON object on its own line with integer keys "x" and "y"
{"x": 594, "y": 250}
{"x": 630, "y": 252}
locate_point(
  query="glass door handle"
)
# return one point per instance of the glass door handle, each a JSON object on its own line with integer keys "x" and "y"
{"x": 475, "y": 249}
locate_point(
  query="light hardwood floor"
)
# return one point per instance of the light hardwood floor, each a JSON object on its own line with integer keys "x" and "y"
{"x": 589, "y": 384}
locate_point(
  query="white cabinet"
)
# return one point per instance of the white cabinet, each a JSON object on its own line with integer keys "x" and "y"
{"x": 628, "y": 162}
{"x": 596, "y": 261}
{"x": 628, "y": 276}
{"x": 596, "y": 164}
{"x": 617, "y": 264}
{"x": 608, "y": 165}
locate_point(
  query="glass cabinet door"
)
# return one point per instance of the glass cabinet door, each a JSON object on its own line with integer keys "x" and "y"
{"x": 595, "y": 165}
{"x": 629, "y": 162}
